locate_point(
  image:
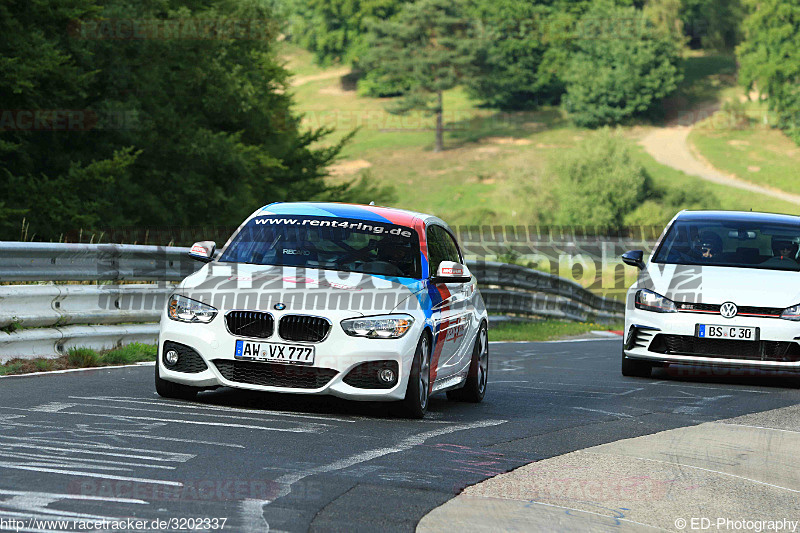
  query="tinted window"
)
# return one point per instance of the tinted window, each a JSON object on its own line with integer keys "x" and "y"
{"x": 742, "y": 244}
{"x": 347, "y": 245}
{"x": 441, "y": 247}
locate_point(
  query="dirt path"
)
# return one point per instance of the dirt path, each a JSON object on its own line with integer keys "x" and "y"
{"x": 328, "y": 75}
{"x": 669, "y": 146}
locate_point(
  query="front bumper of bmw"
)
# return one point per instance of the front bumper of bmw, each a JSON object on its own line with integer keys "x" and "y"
{"x": 343, "y": 366}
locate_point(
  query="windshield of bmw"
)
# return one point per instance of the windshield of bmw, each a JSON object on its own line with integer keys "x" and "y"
{"x": 743, "y": 244}
{"x": 343, "y": 244}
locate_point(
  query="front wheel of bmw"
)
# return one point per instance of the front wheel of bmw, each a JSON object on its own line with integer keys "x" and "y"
{"x": 475, "y": 388}
{"x": 415, "y": 404}
{"x": 169, "y": 389}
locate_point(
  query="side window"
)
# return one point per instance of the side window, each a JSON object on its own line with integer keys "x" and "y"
{"x": 441, "y": 247}
{"x": 436, "y": 252}
{"x": 451, "y": 247}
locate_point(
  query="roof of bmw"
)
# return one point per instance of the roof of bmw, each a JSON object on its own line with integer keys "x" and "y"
{"x": 356, "y": 211}
{"x": 736, "y": 216}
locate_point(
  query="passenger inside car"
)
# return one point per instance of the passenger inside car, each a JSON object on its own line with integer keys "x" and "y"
{"x": 784, "y": 252}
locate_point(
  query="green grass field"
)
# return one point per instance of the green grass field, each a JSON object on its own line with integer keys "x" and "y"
{"x": 706, "y": 77}
{"x": 545, "y": 330}
{"x": 729, "y": 197}
{"x": 494, "y": 168}
{"x": 751, "y": 151}
{"x": 83, "y": 358}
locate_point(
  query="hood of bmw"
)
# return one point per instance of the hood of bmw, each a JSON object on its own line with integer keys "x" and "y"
{"x": 308, "y": 291}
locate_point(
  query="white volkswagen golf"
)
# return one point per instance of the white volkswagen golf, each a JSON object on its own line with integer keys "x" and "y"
{"x": 361, "y": 302}
{"x": 720, "y": 288}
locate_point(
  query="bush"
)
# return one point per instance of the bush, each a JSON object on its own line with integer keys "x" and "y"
{"x": 598, "y": 183}
{"x": 12, "y": 367}
{"x": 131, "y": 353}
{"x": 622, "y": 67}
{"x": 601, "y": 184}
{"x": 82, "y": 357}
{"x": 44, "y": 365}
{"x": 375, "y": 86}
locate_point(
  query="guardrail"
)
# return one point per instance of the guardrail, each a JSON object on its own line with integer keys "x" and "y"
{"x": 44, "y": 261}
{"x": 47, "y": 320}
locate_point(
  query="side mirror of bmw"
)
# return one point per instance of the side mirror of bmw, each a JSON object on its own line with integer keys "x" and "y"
{"x": 452, "y": 272}
{"x": 203, "y": 251}
{"x": 634, "y": 258}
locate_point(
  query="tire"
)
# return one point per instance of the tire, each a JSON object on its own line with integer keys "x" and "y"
{"x": 635, "y": 368}
{"x": 475, "y": 388}
{"x": 169, "y": 389}
{"x": 415, "y": 404}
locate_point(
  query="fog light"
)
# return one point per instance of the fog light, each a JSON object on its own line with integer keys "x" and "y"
{"x": 171, "y": 357}
{"x": 386, "y": 375}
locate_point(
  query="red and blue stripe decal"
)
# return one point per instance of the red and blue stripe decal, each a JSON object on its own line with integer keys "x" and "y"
{"x": 358, "y": 212}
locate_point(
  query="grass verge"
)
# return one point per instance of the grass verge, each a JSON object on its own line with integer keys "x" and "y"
{"x": 545, "y": 330}
{"x": 752, "y": 151}
{"x": 83, "y": 358}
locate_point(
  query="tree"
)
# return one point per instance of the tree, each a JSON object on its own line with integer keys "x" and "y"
{"x": 623, "y": 66}
{"x": 430, "y": 45}
{"x": 186, "y": 128}
{"x": 665, "y": 16}
{"x": 513, "y": 51}
{"x": 40, "y": 79}
{"x": 335, "y": 30}
{"x": 770, "y": 59}
{"x": 713, "y": 24}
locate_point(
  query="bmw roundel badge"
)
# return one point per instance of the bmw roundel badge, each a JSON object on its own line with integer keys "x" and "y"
{"x": 279, "y": 307}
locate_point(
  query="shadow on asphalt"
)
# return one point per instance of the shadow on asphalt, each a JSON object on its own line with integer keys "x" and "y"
{"x": 728, "y": 376}
{"x": 309, "y": 404}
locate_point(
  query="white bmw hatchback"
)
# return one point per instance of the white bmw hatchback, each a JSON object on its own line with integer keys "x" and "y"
{"x": 720, "y": 288}
{"x": 360, "y": 302}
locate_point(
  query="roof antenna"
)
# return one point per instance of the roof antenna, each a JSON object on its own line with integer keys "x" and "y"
{"x": 373, "y": 203}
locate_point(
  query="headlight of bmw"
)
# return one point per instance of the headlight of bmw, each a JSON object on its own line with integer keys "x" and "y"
{"x": 652, "y": 301}
{"x": 791, "y": 313}
{"x": 185, "y": 309}
{"x": 378, "y": 327}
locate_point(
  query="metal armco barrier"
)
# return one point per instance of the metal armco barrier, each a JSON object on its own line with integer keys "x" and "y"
{"x": 61, "y": 305}
{"x": 47, "y": 320}
{"x": 54, "y": 342}
{"x": 576, "y": 302}
{"x": 44, "y": 261}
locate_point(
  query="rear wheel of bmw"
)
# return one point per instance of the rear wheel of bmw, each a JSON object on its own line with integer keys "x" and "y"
{"x": 635, "y": 368}
{"x": 475, "y": 388}
{"x": 168, "y": 389}
{"x": 415, "y": 404}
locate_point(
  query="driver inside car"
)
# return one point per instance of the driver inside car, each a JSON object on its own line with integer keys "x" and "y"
{"x": 707, "y": 245}
{"x": 391, "y": 257}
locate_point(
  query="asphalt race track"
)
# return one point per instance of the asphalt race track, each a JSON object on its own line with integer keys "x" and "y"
{"x": 100, "y": 443}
